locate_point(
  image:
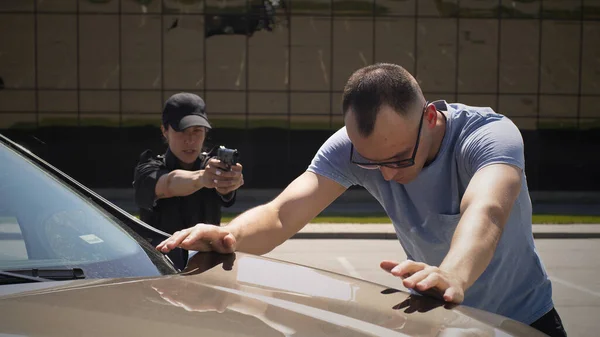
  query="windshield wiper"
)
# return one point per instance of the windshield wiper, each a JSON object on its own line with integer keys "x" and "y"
{"x": 40, "y": 275}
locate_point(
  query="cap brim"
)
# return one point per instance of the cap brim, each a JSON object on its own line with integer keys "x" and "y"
{"x": 191, "y": 120}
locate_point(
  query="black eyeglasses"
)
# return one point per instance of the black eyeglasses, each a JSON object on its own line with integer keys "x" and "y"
{"x": 392, "y": 164}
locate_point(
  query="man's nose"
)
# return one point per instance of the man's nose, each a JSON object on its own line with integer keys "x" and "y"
{"x": 388, "y": 173}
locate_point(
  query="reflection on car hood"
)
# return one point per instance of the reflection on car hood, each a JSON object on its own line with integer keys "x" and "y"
{"x": 237, "y": 295}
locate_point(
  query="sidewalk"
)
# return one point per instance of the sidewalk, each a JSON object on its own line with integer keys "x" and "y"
{"x": 356, "y": 202}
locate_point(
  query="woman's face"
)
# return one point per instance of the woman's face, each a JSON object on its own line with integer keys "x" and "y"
{"x": 185, "y": 145}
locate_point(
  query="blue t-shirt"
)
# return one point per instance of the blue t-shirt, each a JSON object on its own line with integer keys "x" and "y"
{"x": 426, "y": 211}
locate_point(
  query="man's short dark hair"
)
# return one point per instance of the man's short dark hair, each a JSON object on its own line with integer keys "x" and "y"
{"x": 376, "y": 85}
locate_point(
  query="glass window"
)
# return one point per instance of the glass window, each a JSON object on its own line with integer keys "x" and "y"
{"x": 589, "y": 107}
{"x": 525, "y": 123}
{"x": 49, "y": 119}
{"x": 99, "y": 52}
{"x": 64, "y": 6}
{"x": 313, "y": 122}
{"x": 395, "y": 41}
{"x": 436, "y": 55}
{"x": 57, "y": 51}
{"x": 518, "y": 105}
{"x": 352, "y": 47}
{"x": 478, "y": 56}
{"x": 187, "y": 7}
{"x": 142, "y": 7}
{"x": 105, "y": 6}
{"x": 143, "y": 102}
{"x": 519, "y": 57}
{"x": 560, "y": 66}
{"x": 17, "y": 100}
{"x": 562, "y": 9}
{"x": 310, "y": 103}
{"x": 17, "y": 6}
{"x": 397, "y": 8}
{"x": 310, "y": 7}
{"x": 99, "y": 101}
{"x": 228, "y": 7}
{"x": 590, "y": 72}
{"x": 268, "y": 58}
{"x": 356, "y": 7}
{"x": 56, "y": 227}
{"x": 17, "y": 120}
{"x": 226, "y": 62}
{"x": 269, "y": 121}
{"x": 183, "y": 52}
{"x": 591, "y": 9}
{"x": 100, "y": 119}
{"x": 58, "y": 100}
{"x": 479, "y": 100}
{"x": 521, "y": 9}
{"x": 478, "y": 9}
{"x": 311, "y": 53}
{"x": 553, "y": 108}
{"x": 447, "y": 8}
{"x": 267, "y": 103}
{"x": 141, "y": 52}
{"x": 17, "y": 64}
{"x": 225, "y": 103}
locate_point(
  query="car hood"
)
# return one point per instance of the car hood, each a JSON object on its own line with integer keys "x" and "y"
{"x": 237, "y": 295}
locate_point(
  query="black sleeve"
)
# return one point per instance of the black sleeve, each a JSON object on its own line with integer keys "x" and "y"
{"x": 146, "y": 175}
{"x": 228, "y": 199}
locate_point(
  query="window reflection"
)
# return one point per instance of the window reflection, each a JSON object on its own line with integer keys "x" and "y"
{"x": 99, "y": 101}
{"x": 590, "y": 74}
{"x": 269, "y": 59}
{"x": 141, "y": 53}
{"x": 17, "y": 65}
{"x": 58, "y": 100}
{"x": 519, "y": 57}
{"x": 558, "y": 106}
{"x": 560, "y": 71}
{"x": 57, "y": 51}
{"x": 478, "y": 100}
{"x": 478, "y": 56}
{"x": 478, "y": 8}
{"x": 311, "y": 53}
{"x": 140, "y": 7}
{"x": 436, "y": 55}
{"x": 354, "y": 7}
{"x": 521, "y": 9}
{"x": 106, "y": 6}
{"x": 353, "y": 47}
{"x": 142, "y": 102}
{"x": 310, "y": 103}
{"x": 226, "y": 62}
{"x": 395, "y": 41}
{"x": 441, "y": 8}
{"x": 225, "y": 102}
{"x": 561, "y": 9}
{"x": 267, "y": 103}
{"x": 318, "y": 7}
{"x": 184, "y": 6}
{"x": 68, "y": 6}
{"x": 16, "y": 101}
{"x": 518, "y": 105}
{"x": 401, "y": 8}
{"x": 16, "y": 6}
{"x": 184, "y": 52}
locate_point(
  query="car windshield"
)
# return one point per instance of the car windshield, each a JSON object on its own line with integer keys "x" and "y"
{"x": 44, "y": 223}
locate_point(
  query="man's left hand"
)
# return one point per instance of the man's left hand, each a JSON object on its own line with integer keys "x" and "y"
{"x": 423, "y": 278}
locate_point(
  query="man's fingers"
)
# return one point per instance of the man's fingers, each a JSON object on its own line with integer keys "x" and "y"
{"x": 172, "y": 242}
{"x": 388, "y": 265}
{"x": 407, "y": 268}
{"x": 433, "y": 280}
{"x": 453, "y": 295}
{"x": 411, "y": 281}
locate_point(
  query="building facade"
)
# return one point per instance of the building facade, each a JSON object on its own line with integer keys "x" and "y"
{"x": 79, "y": 75}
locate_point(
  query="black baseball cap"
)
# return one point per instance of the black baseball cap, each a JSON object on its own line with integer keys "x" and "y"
{"x": 183, "y": 110}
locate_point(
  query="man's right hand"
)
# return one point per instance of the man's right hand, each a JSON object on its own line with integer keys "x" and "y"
{"x": 202, "y": 238}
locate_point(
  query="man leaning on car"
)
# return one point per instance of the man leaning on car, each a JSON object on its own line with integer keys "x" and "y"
{"x": 451, "y": 177}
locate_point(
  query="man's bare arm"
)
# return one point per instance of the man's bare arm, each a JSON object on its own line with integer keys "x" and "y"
{"x": 263, "y": 228}
{"x": 485, "y": 208}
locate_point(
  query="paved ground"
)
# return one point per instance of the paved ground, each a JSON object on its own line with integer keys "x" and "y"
{"x": 571, "y": 263}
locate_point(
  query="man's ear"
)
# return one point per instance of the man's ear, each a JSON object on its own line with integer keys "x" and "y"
{"x": 431, "y": 115}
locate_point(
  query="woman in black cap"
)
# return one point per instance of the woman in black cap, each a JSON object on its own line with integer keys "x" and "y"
{"x": 183, "y": 187}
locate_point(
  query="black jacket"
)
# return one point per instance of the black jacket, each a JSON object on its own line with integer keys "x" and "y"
{"x": 176, "y": 213}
